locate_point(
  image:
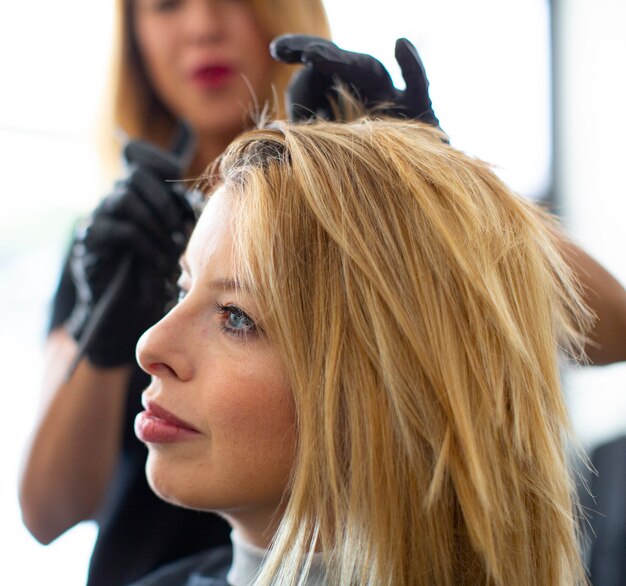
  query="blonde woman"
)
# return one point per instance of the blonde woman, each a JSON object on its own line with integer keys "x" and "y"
{"x": 362, "y": 372}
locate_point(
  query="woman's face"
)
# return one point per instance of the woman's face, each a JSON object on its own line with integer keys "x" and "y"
{"x": 206, "y": 59}
{"x": 219, "y": 417}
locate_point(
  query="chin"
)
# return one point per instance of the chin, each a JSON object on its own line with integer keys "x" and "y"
{"x": 180, "y": 484}
{"x": 227, "y": 119}
{"x": 228, "y": 129}
{"x": 170, "y": 484}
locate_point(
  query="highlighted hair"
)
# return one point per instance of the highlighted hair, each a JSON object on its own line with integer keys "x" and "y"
{"x": 420, "y": 308}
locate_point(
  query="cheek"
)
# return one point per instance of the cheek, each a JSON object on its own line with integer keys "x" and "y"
{"x": 254, "y": 422}
{"x": 253, "y": 408}
{"x": 157, "y": 47}
{"x": 254, "y": 46}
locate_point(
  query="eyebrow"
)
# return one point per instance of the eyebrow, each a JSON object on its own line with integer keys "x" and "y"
{"x": 229, "y": 285}
{"x": 222, "y": 283}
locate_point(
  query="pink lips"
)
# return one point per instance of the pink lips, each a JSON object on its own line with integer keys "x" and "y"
{"x": 212, "y": 76}
{"x": 157, "y": 425}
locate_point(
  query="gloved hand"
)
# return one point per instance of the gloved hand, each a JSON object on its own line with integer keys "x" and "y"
{"x": 146, "y": 222}
{"x": 326, "y": 64}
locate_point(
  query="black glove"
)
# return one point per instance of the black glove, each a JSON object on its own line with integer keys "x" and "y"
{"x": 326, "y": 64}
{"x": 143, "y": 226}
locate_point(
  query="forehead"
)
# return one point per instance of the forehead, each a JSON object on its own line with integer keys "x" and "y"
{"x": 211, "y": 243}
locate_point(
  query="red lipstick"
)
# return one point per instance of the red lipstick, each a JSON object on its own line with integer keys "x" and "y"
{"x": 157, "y": 425}
{"x": 212, "y": 76}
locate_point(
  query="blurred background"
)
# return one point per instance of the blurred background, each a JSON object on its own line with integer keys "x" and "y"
{"x": 535, "y": 87}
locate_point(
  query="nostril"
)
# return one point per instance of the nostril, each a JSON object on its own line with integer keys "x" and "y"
{"x": 160, "y": 369}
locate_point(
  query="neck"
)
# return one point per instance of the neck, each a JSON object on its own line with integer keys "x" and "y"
{"x": 254, "y": 528}
{"x": 248, "y": 560}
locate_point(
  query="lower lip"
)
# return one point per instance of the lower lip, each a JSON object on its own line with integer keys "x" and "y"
{"x": 153, "y": 430}
{"x": 212, "y": 77}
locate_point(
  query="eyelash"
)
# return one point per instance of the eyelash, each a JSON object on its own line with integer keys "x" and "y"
{"x": 232, "y": 310}
{"x": 226, "y": 311}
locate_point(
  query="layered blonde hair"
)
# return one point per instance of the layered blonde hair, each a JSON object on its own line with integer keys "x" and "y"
{"x": 420, "y": 308}
{"x": 132, "y": 104}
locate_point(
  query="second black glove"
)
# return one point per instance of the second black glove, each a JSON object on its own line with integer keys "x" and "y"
{"x": 312, "y": 89}
{"x": 144, "y": 223}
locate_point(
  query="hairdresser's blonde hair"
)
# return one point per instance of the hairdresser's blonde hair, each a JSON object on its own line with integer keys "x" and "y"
{"x": 419, "y": 306}
{"x": 132, "y": 104}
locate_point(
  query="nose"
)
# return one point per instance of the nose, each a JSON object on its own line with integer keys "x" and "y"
{"x": 204, "y": 20}
{"x": 161, "y": 350}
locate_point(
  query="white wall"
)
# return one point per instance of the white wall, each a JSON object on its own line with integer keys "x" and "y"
{"x": 593, "y": 122}
{"x": 52, "y": 56}
{"x": 488, "y": 68}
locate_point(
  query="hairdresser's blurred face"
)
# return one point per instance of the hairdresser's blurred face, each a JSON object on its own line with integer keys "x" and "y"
{"x": 219, "y": 419}
{"x": 199, "y": 54}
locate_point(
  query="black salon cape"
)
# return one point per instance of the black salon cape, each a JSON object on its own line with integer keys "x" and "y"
{"x": 138, "y": 532}
{"x": 205, "y": 569}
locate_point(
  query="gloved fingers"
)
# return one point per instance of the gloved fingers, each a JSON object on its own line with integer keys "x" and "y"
{"x": 145, "y": 201}
{"x": 93, "y": 272}
{"x": 361, "y": 71}
{"x": 144, "y": 154}
{"x": 109, "y": 239}
{"x": 416, "y": 98}
{"x": 289, "y": 48}
{"x": 126, "y": 206}
{"x": 162, "y": 200}
{"x": 308, "y": 95}
{"x": 411, "y": 66}
{"x": 362, "y": 74}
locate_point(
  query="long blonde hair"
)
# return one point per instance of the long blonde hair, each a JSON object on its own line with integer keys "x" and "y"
{"x": 419, "y": 306}
{"x": 132, "y": 104}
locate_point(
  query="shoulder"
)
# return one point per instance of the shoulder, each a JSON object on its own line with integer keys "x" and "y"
{"x": 208, "y": 568}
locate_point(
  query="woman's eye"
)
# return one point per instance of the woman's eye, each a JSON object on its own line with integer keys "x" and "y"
{"x": 235, "y": 321}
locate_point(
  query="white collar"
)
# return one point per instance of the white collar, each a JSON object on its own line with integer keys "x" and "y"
{"x": 248, "y": 558}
